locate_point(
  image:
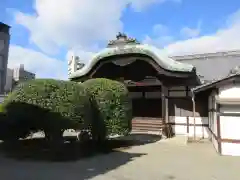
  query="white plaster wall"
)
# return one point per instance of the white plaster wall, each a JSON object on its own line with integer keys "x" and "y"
{"x": 198, "y": 120}
{"x": 229, "y": 91}
{"x": 201, "y": 132}
{"x": 229, "y": 127}
{"x": 182, "y": 129}
{"x": 231, "y": 149}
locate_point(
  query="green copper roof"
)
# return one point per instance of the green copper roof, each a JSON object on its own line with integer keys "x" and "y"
{"x": 159, "y": 57}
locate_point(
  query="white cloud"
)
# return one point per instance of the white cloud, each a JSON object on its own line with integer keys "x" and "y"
{"x": 70, "y": 23}
{"x": 188, "y": 32}
{"x": 139, "y": 5}
{"x": 39, "y": 63}
{"x": 83, "y": 55}
{"x": 160, "y": 29}
{"x": 161, "y": 36}
{"x": 225, "y": 38}
{"x": 73, "y": 24}
{"x": 159, "y": 41}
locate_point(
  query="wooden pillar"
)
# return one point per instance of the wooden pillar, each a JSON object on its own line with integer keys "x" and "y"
{"x": 194, "y": 116}
{"x": 219, "y": 130}
{"x": 165, "y": 116}
{"x": 163, "y": 103}
{"x": 187, "y": 125}
{"x": 166, "y": 110}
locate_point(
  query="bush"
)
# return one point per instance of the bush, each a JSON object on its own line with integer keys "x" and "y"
{"x": 48, "y": 105}
{"x": 1, "y": 108}
{"x": 112, "y": 107}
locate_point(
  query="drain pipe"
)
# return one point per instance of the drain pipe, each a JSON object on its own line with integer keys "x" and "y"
{"x": 194, "y": 114}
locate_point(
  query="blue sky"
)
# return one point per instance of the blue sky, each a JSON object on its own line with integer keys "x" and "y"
{"x": 43, "y": 31}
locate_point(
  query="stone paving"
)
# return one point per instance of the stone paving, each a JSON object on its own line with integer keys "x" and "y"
{"x": 162, "y": 160}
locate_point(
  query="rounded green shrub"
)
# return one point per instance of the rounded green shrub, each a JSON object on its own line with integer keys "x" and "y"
{"x": 112, "y": 107}
{"x": 48, "y": 105}
{"x": 1, "y": 108}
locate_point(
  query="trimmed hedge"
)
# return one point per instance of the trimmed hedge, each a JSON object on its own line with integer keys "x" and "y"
{"x": 112, "y": 107}
{"x": 48, "y": 105}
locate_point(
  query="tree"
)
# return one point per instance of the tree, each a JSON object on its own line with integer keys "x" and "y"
{"x": 48, "y": 105}
{"x": 112, "y": 107}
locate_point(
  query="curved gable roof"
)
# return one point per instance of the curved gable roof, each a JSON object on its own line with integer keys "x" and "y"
{"x": 162, "y": 60}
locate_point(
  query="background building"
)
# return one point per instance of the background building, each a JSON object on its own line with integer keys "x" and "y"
{"x": 9, "y": 80}
{"x": 214, "y": 65}
{"x": 4, "y": 48}
{"x": 16, "y": 76}
{"x": 74, "y": 64}
{"x": 20, "y": 74}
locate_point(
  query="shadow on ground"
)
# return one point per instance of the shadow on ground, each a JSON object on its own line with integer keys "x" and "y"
{"x": 138, "y": 139}
{"x": 31, "y": 159}
{"x": 38, "y": 149}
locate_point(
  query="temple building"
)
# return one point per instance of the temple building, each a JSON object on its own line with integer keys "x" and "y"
{"x": 194, "y": 95}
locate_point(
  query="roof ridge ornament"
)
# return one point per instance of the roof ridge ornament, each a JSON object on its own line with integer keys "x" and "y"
{"x": 121, "y": 40}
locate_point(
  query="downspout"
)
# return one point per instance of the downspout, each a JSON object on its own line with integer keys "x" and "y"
{"x": 194, "y": 115}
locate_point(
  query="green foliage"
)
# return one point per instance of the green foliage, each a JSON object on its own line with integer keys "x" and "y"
{"x": 1, "y": 108}
{"x": 49, "y": 105}
{"x": 111, "y": 105}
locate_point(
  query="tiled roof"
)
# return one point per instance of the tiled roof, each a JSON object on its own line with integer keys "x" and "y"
{"x": 151, "y": 51}
{"x": 212, "y": 83}
{"x": 206, "y": 55}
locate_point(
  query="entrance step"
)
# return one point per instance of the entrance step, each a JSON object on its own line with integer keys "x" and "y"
{"x": 145, "y": 124}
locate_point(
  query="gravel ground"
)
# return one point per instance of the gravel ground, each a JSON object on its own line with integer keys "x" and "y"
{"x": 153, "y": 161}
